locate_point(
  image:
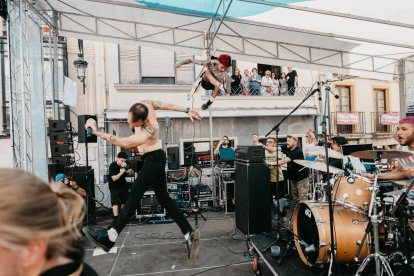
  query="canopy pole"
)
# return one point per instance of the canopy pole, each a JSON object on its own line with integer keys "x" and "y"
{"x": 401, "y": 79}
{"x": 55, "y": 67}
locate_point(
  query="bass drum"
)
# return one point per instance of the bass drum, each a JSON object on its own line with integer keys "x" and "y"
{"x": 311, "y": 223}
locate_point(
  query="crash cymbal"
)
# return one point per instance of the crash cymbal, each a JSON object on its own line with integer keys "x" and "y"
{"x": 403, "y": 182}
{"x": 317, "y": 166}
{"x": 321, "y": 151}
{"x": 383, "y": 154}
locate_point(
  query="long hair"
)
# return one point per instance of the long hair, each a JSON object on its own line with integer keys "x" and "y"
{"x": 30, "y": 209}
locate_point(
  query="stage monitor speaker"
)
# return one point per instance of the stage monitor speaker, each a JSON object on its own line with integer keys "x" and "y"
{"x": 59, "y": 150}
{"x": 59, "y": 125}
{"x": 82, "y": 135}
{"x": 62, "y": 136}
{"x": 253, "y": 198}
{"x": 53, "y": 170}
{"x": 173, "y": 157}
{"x": 80, "y": 179}
{"x": 62, "y": 160}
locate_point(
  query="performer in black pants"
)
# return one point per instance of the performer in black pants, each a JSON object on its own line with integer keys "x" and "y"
{"x": 142, "y": 117}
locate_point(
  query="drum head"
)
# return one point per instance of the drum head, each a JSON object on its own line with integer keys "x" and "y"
{"x": 308, "y": 231}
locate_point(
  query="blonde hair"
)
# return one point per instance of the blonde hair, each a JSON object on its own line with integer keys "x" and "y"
{"x": 267, "y": 71}
{"x": 30, "y": 209}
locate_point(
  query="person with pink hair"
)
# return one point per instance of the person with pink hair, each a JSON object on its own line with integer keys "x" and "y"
{"x": 405, "y": 137}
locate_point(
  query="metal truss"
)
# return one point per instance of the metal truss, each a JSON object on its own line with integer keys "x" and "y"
{"x": 20, "y": 85}
{"x": 230, "y": 39}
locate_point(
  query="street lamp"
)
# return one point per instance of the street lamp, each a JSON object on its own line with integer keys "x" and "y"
{"x": 81, "y": 65}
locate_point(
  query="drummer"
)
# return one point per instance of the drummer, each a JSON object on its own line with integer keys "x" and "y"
{"x": 336, "y": 143}
{"x": 405, "y": 137}
{"x": 296, "y": 173}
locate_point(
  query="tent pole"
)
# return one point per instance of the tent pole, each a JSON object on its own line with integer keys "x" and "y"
{"x": 55, "y": 68}
{"x": 401, "y": 79}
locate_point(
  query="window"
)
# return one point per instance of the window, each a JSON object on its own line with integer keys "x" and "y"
{"x": 343, "y": 104}
{"x": 129, "y": 64}
{"x": 379, "y": 100}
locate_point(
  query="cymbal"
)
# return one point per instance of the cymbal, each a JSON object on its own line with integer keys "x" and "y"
{"x": 317, "y": 166}
{"x": 403, "y": 182}
{"x": 383, "y": 154}
{"x": 321, "y": 151}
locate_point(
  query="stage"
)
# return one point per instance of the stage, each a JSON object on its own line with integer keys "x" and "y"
{"x": 158, "y": 249}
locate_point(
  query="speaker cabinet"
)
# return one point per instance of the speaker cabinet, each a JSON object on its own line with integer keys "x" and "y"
{"x": 58, "y": 150}
{"x": 253, "y": 198}
{"x": 80, "y": 178}
{"x": 62, "y": 160}
{"x": 82, "y": 135}
{"x": 59, "y": 125}
{"x": 173, "y": 158}
{"x": 62, "y": 136}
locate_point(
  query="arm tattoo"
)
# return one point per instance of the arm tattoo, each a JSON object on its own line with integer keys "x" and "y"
{"x": 219, "y": 75}
{"x": 188, "y": 61}
{"x": 155, "y": 104}
{"x": 149, "y": 130}
{"x": 113, "y": 138}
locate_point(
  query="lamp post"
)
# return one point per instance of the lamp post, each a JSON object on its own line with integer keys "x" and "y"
{"x": 81, "y": 65}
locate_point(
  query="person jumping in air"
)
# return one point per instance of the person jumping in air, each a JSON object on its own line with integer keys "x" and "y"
{"x": 213, "y": 77}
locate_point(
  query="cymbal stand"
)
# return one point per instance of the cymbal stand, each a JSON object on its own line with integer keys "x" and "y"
{"x": 373, "y": 214}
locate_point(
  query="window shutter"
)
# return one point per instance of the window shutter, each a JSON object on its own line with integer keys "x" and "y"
{"x": 156, "y": 62}
{"x": 129, "y": 63}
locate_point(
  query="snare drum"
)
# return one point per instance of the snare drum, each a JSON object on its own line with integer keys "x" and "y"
{"x": 311, "y": 223}
{"x": 354, "y": 196}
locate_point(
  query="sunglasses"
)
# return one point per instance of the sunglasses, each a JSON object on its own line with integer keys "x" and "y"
{"x": 289, "y": 136}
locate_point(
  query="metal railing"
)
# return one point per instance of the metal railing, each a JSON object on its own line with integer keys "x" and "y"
{"x": 275, "y": 91}
{"x": 380, "y": 122}
{"x": 351, "y": 122}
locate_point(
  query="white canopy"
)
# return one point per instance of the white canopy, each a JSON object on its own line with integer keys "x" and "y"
{"x": 360, "y": 38}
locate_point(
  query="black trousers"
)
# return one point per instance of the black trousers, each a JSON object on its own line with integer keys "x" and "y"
{"x": 152, "y": 173}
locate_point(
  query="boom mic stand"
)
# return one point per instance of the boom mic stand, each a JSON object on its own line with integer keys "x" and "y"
{"x": 277, "y": 129}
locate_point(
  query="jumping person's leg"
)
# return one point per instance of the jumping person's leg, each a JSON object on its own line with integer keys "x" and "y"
{"x": 209, "y": 78}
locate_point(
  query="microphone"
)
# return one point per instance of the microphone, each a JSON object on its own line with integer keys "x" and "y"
{"x": 329, "y": 89}
{"x": 314, "y": 90}
{"x": 89, "y": 131}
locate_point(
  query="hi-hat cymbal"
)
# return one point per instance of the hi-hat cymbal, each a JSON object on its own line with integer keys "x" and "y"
{"x": 317, "y": 166}
{"x": 403, "y": 182}
{"x": 381, "y": 154}
{"x": 321, "y": 151}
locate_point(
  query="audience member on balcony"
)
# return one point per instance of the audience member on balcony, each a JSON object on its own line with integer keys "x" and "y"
{"x": 245, "y": 83}
{"x": 292, "y": 80}
{"x": 283, "y": 84}
{"x": 275, "y": 87}
{"x": 255, "y": 81}
{"x": 235, "y": 83}
{"x": 267, "y": 84}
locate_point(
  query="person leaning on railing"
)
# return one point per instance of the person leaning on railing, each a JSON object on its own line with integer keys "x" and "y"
{"x": 275, "y": 86}
{"x": 267, "y": 84}
{"x": 255, "y": 81}
{"x": 283, "y": 84}
{"x": 245, "y": 83}
{"x": 235, "y": 83}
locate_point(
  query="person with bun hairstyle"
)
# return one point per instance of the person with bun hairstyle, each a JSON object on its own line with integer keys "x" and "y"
{"x": 213, "y": 78}
{"x": 37, "y": 232}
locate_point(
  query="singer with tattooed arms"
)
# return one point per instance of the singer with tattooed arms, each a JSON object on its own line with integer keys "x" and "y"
{"x": 214, "y": 77}
{"x": 143, "y": 119}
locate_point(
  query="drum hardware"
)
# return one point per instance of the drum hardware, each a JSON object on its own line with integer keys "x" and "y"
{"x": 373, "y": 214}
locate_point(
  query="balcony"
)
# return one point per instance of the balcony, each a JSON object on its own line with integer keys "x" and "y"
{"x": 238, "y": 91}
{"x": 352, "y": 122}
{"x": 384, "y": 122}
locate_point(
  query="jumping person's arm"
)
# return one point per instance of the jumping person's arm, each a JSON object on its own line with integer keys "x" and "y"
{"x": 157, "y": 105}
{"x": 125, "y": 142}
{"x": 189, "y": 61}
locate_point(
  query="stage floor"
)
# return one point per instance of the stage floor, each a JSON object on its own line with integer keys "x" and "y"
{"x": 158, "y": 249}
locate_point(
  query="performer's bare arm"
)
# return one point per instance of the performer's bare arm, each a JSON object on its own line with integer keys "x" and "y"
{"x": 396, "y": 174}
{"x": 147, "y": 131}
{"x": 190, "y": 61}
{"x": 157, "y": 105}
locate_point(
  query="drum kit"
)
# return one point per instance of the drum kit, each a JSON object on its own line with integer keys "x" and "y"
{"x": 359, "y": 210}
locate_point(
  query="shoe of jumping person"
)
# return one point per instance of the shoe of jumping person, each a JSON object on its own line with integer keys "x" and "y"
{"x": 193, "y": 244}
{"x": 99, "y": 237}
{"x": 206, "y": 105}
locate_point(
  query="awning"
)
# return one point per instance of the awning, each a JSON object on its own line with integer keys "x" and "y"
{"x": 360, "y": 38}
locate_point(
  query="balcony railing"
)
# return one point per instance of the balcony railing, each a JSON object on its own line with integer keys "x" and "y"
{"x": 275, "y": 91}
{"x": 351, "y": 122}
{"x": 384, "y": 121}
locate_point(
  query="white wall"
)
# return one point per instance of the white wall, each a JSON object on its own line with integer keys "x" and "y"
{"x": 6, "y": 153}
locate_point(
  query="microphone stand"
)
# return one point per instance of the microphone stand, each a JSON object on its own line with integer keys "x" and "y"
{"x": 277, "y": 129}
